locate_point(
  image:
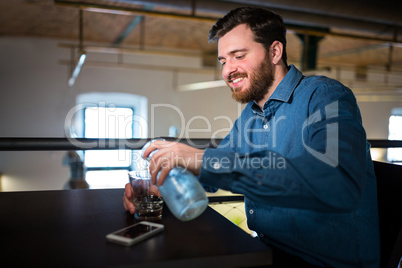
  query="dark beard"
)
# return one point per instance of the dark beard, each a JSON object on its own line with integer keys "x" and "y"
{"x": 261, "y": 81}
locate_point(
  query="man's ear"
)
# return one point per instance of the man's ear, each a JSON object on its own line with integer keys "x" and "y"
{"x": 276, "y": 51}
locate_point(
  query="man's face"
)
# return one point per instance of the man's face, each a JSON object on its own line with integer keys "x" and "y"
{"x": 246, "y": 66}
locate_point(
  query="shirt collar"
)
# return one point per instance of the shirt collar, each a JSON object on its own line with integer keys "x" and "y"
{"x": 288, "y": 84}
{"x": 285, "y": 89}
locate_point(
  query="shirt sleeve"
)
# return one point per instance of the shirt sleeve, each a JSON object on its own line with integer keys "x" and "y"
{"x": 329, "y": 175}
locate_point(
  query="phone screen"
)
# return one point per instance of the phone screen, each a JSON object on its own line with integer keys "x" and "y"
{"x": 137, "y": 230}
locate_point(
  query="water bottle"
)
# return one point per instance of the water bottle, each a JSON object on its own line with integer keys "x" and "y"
{"x": 182, "y": 192}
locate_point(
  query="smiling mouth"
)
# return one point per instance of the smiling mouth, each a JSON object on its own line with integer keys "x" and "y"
{"x": 236, "y": 79}
{"x": 235, "y": 82}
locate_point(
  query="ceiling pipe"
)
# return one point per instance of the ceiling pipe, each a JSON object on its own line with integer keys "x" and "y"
{"x": 360, "y": 15}
{"x": 388, "y": 13}
{"x": 357, "y": 10}
{"x": 309, "y": 15}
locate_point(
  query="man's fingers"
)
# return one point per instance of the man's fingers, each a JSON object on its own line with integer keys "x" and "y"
{"x": 127, "y": 197}
{"x": 162, "y": 176}
{"x": 128, "y": 190}
{"x": 156, "y": 145}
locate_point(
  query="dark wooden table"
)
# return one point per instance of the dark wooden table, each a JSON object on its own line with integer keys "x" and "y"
{"x": 68, "y": 229}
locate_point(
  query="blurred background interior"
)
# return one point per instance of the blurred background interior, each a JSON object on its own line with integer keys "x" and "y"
{"x": 142, "y": 69}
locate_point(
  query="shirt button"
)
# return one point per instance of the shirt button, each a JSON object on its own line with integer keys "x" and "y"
{"x": 216, "y": 165}
{"x": 251, "y": 211}
{"x": 265, "y": 126}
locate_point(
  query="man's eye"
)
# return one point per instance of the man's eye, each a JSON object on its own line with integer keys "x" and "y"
{"x": 239, "y": 57}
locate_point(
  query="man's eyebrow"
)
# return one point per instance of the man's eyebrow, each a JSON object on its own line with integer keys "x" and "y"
{"x": 233, "y": 52}
{"x": 238, "y": 50}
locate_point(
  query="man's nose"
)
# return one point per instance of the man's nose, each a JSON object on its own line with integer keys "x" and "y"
{"x": 228, "y": 69}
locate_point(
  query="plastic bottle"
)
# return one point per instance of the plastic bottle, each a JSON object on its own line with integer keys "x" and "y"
{"x": 182, "y": 192}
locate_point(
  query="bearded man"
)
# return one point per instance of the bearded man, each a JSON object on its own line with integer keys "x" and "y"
{"x": 298, "y": 152}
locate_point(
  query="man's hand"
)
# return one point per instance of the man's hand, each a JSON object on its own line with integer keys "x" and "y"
{"x": 170, "y": 155}
{"x": 127, "y": 199}
{"x": 129, "y": 196}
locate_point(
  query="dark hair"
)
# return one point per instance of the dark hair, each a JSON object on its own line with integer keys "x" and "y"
{"x": 266, "y": 26}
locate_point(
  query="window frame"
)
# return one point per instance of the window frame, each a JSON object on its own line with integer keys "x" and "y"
{"x": 139, "y": 105}
{"x": 88, "y": 168}
{"x": 391, "y": 152}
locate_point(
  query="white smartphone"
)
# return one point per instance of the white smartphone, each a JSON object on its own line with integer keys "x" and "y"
{"x": 135, "y": 233}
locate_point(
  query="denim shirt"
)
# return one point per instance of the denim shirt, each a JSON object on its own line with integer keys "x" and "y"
{"x": 304, "y": 167}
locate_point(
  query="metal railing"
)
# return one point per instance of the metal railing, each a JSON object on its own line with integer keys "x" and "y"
{"x": 69, "y": 144}
{"x": 66, "y": 144}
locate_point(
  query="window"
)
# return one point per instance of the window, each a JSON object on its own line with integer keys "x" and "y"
{"x": 108, "y": 123}
{"x": 110, "y": 116}
{"x": 395, "y": 133}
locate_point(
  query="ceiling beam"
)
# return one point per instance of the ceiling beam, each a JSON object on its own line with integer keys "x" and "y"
{"x": 123, "y": 50}
{"x": 130, "y": 11}
{"x": 130, "y": 27}
{"x": 137, "y": 11}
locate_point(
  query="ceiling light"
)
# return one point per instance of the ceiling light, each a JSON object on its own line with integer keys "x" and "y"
{"x": 202, "y": 85}
{"x": 77, "y": 69}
